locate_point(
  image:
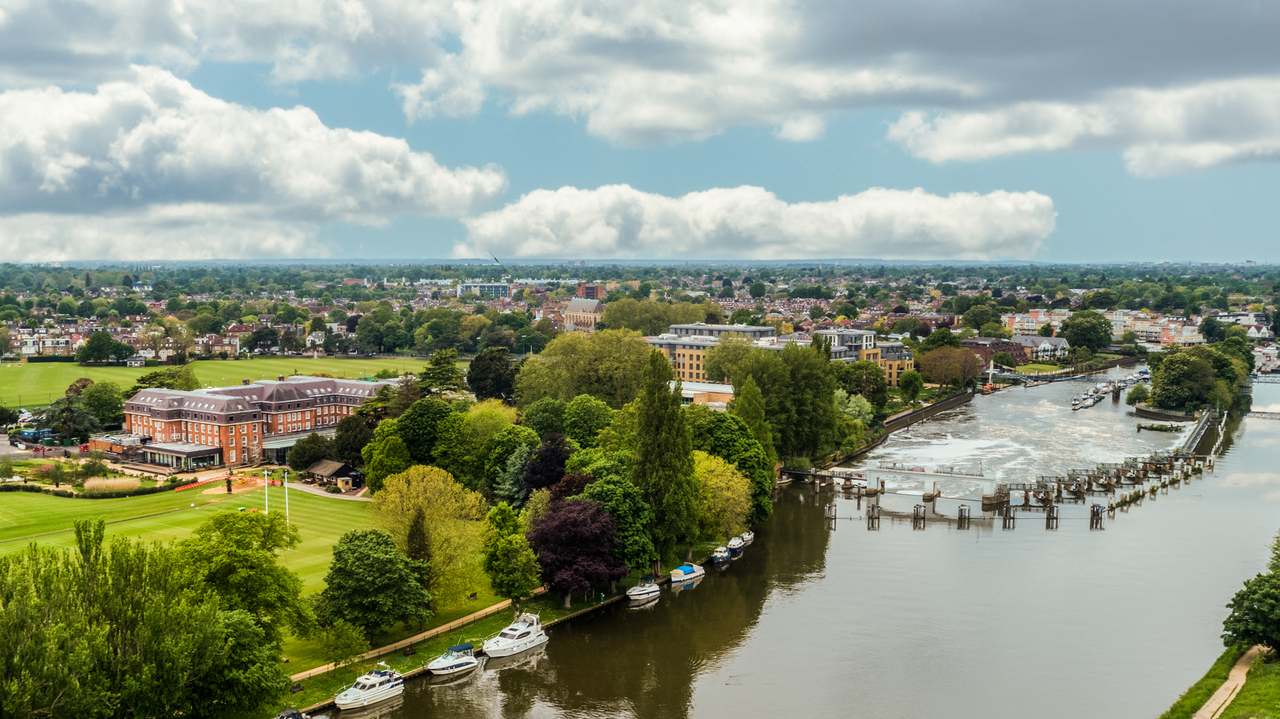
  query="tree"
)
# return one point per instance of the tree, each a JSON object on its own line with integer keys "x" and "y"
{"x": 101, "y": 630}
{"x": 236, "y": 554}
{"x": 341, "y": 642}
{"x": 941, "y": 337}
{"x": 1138, "y": 394}
{"x": 509, "y": 561}
{"x": 464, "y": 442}
{"x": 576, "y": 545}
{"x": 263, "y": 339}
{"x": 584, "y": 417}
{"x": 955, "y": 366}
{"x": 727, "y": 436}
{"x": 1087, "y": 329}
{"x": 1255, "y": 609}
{"x": 808, "y": 421}
{"x": 352, "y": 434}
{"x": 1212, "y": 330}
{"x": 417, "y": 547}
{"x": 441, "y": 374}
{"x": 609, "y": 365}
{"x": 993, "y": 329}
{"x": 505, "y": 443}
{"x": 1046, "y": 329}
{"x": 545, "y": 416}
{"x": 631, "y": 515}
{"x": 748, "y": 403}
{"x": 372, "y": 584}
{"x": 104, "y": 401}
{"x": 546, "y": 465}
{"x": 384, "y": 455}
{"x": 309, "y": 450}
{"x": 910, "y": 384}
{"x": 69, "y": 418}
{"x": 724, "y": 497}
{"x": 170, "y": 378}
{"x": 757, "y": 290}
{"x": 1182, "y": 381}
{"x": 419, "y": 427}
{"x": 510, "y": 487}
{"x": 865, "y": 378}
{"x": 978, "y": 315}
{"x": 450, "y": 514}
{"x": 492, "y": 374}
{"x": 8, "y": 416}
{"x": 664, "y": 459}
{"x": 102, "y": 347}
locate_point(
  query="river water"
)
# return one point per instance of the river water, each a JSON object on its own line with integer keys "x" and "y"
{"x": 845, "y": 622}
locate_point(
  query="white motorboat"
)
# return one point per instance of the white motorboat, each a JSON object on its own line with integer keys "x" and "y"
{"x": 720, "y": 555}
{"x": 687, "y": 572}
{"x": 735, "y": 547}
{"x": 376, "y": 686}
{"x": 523, "y": 634}
{"x": 643, "y": 592}
{"x": 747, "y": 537}
{"x": 458, "y": 659}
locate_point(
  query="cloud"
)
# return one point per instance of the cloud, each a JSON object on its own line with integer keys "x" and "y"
{"x": 1163, "y": 131}
{"x": 750, "y": 222}
{"x": 158, "y": 148}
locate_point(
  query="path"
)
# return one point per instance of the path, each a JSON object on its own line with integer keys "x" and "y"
{"x": 1221, "y": 699}
{"x": 312, "y": 489}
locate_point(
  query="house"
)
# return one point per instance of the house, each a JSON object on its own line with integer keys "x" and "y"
{"x": 136, "y": 361}
{"x": 1043, "y": 348}
{"x": 988, "y": 347}
{"x": 329, "y": 471}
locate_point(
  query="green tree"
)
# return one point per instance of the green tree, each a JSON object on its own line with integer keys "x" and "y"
{"x": 102, "y": 347}
{"x": 632, "y": 517}
{"x": 1087, "y": 329}
{"x": 441, "y": 374}
{"x": 417, "y": 547}
{"x": 464, "y": 442}
{"x": 309, "y": 450}
{"x": 419, "y": 427}
{"x": 1139, "y": 393}
{"x": 509, "y": 487}
{"x": 664, "y": 459}
{"x": 1183, "y": 381}
{"x": 385, "y": 454}
{"x": 492, "y": 374}
{"x": 236, "y": 554}
{"x": 979, "y": 315}
{"x": 104, "y": 401}
{"x": 808, "y": 423}
{"x": 341, "y": 642}
{"x": 724, "y": 497}
{"x": 955, "y": 366}
{"x": 545, "y": 416}
{"x": 609, "y": 365}
{"x": 941, "y": 337}
{"x": 69, "y": 418}
{"x": 352, "y": 434}
{"x": 584, "y": 417}
{"x": 993, "y": 329}
{"x": 508, "y": 441}
{"x": 748, "y": 403}
{"x": 910, "y": 384}
{"x": 757, "y": 290}
{"x": 372, "y": 584}
{"x": 1255, "y": 609}
{"x": 727, "y": 436}
{"x": 865, "y": 378}
{"x": 508, "y": 559}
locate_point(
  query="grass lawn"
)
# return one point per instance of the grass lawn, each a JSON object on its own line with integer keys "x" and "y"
{"x": 37, "y": 384}
{"x": 1259, "y": 698}
{"x": 1195, "y": 697}
{"x": 26, "y": 517}
{"x": 1038, "y": 368}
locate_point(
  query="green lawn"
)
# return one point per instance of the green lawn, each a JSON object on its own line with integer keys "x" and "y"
{"x": 37, "y": 384}
{"x": 26, "y": 517}
{"x": 1195, "y": 697}
{"x": 1038, "y": 368}
{"x": 1259, "y": 698}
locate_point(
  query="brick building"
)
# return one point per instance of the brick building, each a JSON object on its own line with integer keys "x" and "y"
{"x": 242, "y": 424}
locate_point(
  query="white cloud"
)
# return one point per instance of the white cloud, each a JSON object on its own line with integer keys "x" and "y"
{"x": 750, "y": 222}
{"x": 1163, "y": 131}
{"x": 153, "y": 149}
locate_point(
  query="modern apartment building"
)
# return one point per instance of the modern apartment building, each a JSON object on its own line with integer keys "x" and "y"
{"x": 486, "y": 290}
{"x": 239, "y": 425}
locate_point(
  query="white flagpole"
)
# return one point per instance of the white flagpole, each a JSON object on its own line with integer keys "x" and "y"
{"x": 266, "y": 492}
{"x": 286, "y": 496}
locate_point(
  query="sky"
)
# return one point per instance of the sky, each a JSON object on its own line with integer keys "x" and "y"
{"x": 758, "y": 129}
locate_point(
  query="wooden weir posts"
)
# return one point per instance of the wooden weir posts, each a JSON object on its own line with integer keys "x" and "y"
{"x": 918, "y": 516}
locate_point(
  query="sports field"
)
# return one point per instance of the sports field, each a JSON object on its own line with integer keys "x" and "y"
{"x": 26, "y": 517}
{"x": 37, "y": 384}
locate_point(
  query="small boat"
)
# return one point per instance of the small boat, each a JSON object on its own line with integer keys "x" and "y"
{"x": 687, "y": 572}
{"x": 376, "y": 686}
{"x": 644, "y": 591}
{"x": 720, "y": 555}
{"x": 523, "y": 634}
{"x": 747, "y": 537}
{"x": 735, "y": 547}
{"x": 643, "y": 603}
{"x": 458, "y": 659}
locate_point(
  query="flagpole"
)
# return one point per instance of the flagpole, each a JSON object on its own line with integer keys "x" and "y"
{"x": 266, "y": 492}
{"x": 285, "y": 485}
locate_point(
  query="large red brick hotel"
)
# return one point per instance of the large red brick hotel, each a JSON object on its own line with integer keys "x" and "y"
{"x": 238, "y": 425}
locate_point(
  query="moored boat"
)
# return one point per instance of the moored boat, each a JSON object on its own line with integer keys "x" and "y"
{"x": 720, "y": 555}
{"x": 375, "y": 686}
{"x": 523, "y": 634}
{"x": 458, "y": 659}
{"x": 687, "y": 572}
{"x": 644, "y": 591}
{"x": 747, "y": 537}
{"x": 735, "y": 547}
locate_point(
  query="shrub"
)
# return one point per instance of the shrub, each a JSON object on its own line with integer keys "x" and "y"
{"x": 121, "y": 484}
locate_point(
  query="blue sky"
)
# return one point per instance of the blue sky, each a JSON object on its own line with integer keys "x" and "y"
{"x": 630, "y": 130}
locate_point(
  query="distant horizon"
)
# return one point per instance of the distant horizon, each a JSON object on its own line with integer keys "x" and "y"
{"x": 633, "y": 262}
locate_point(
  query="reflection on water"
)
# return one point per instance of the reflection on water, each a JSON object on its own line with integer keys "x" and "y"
{"x": 941, "y": 622}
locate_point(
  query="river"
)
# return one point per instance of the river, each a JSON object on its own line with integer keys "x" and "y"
{"x": 815, "y": 622}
